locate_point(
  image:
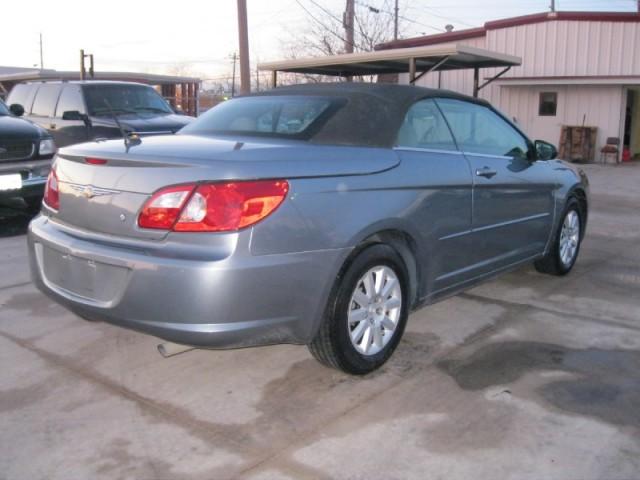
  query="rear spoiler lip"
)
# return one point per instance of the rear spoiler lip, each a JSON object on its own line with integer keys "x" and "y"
{"x": 119, "y": 160}
{"x": 149, "y": 133}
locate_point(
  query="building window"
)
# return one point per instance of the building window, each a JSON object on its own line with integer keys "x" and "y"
{"x": 548, "y": 104}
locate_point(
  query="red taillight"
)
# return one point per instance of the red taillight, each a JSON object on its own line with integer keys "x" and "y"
{"x": 162, "y": 210}
{"x": 51, "y": 191}
{"x": 214, "y": 207}
{"x": 95, "y": 161}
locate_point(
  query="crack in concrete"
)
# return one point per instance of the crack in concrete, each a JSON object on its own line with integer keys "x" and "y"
{"x": 283, "y": 455}
{"x": 616, "y": 322}
{"x": 22, "y": 284}
{"x": 208, "y": 432}
{"x": 147, "y": 404}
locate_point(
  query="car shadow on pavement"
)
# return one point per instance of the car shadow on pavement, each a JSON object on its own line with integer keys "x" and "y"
{"x": 14, "y": 220}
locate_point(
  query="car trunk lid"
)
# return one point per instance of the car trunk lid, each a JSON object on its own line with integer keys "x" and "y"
{"x": 107, "y": 196}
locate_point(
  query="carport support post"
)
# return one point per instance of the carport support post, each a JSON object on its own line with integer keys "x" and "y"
{"x": 196, "y": 87}
{"x": 412, "y": 70}
{"x": 476, "y": 81}
{"x": 274, "y": 79}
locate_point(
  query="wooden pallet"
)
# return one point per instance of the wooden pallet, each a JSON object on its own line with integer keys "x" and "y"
{"x": 578, "y": 144}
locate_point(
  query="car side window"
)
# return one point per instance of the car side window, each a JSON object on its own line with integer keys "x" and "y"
{"x": 46, "y": 99}
{"x": 425, "y": 127}
{"x": 478, "y": 129}
{"x": 23, "y": 94}
{"x": 70, "y": 100}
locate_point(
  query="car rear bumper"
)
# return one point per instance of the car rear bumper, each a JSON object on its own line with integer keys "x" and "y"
{"x": 235, "y": 300}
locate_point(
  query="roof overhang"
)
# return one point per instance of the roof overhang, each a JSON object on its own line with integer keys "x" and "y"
{"x": 397, "y": 60}
{"x": 581, "y": 80}
{"x": 148, "y": 78}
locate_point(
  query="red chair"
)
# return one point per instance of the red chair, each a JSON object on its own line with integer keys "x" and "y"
{"x": 611, "y": 148}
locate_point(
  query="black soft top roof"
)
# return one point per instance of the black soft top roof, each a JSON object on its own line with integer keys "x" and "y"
{"x": 374, "y": 111}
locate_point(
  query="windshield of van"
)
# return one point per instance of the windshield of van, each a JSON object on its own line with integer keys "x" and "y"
{"x": 293, "y": 116}
{"x": 3, "y": 108}
{"x": 124, "y": 99}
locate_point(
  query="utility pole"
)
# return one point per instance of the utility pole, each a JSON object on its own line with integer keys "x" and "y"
{"x": 395, "y": 21}
{"x": 245, "y": 72}
{"x": 348, "y": 21}
{"x": 638, "y": 6}
{"x": 41, "y": 58}
{"x": 233, "y": 77}
{"x": 553, "y": 5}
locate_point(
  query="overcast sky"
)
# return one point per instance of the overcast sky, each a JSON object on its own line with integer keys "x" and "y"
{"x": 198, "y": 37}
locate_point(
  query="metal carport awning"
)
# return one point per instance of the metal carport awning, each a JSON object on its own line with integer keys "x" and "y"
{"x": 416, "y": 61}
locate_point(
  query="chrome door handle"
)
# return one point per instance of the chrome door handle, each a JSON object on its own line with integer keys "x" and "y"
{"x": 486, "y": 172}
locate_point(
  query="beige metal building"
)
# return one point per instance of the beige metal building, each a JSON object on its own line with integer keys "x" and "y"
{"x": 578, "y": 68}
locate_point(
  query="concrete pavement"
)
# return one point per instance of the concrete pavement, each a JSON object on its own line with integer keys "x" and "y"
{"x": 524, "y": 377}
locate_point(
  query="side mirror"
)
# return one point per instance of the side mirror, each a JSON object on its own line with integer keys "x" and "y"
{"x": 16, "y": 109}
{"x": 76, "y": 115}
{"x": 545, "y": 150}
{"x": 72, "y": 115}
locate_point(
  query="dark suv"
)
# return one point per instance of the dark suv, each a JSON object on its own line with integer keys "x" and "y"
{"x": 80, "y": 111}
{"x": 25, "y": 158}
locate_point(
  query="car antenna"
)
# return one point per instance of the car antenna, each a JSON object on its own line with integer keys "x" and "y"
{"x": 125, "y": 137}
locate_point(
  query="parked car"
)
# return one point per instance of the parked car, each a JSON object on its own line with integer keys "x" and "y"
{"x": 76, "y": 112}
{"x": 316, "y": 214}
{"x": 25, "y": 158}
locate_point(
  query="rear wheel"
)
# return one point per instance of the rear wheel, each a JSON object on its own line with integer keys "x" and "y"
{"x": 366, "y": 316}
{"x": 566, "y": 243}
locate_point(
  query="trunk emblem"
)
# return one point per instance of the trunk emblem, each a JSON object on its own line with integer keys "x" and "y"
{"x": 89, "y": 191}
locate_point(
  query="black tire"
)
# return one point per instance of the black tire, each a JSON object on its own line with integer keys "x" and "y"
{"x": 332, "y": 344}
{"x": 552, "y": 263}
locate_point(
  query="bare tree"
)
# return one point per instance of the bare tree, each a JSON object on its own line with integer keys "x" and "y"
{"x": 323, "y": 34}
{"x": 181, "y": 69}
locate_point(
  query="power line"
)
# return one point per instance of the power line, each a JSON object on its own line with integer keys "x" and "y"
{"x": 406, "y": 19}
{"x": 313, "y": 17}
{"x": 325, "y": 10}
{"x": 421, "y": 24}
{"x": 432, "y": 11}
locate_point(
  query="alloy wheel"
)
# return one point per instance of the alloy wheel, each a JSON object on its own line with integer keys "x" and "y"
{"x": 569, "y": 237}
{"x": 374, "y": 310}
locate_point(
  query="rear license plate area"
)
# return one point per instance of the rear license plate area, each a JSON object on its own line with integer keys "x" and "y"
{"x": 89, "y": 279}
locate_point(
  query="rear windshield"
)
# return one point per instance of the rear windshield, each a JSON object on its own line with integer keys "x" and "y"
{"x": 278, "y": 116}
{"x": 123, "y": 99}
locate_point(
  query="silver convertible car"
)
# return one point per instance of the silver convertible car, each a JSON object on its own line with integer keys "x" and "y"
{"x": 315, "y": 214}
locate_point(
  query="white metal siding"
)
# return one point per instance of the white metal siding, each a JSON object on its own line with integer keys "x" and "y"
{"x": 557, "y": 49}
{"x": 597, "y": 106}
{"x": 570, "y": 48}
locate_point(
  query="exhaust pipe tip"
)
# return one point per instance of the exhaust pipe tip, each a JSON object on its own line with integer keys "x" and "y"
{"x": 169, "y": 349}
